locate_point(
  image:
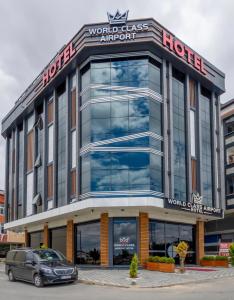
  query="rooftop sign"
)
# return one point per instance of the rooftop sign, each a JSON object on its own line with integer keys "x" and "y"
{"x": 183, "y": 52}
{"x": 115, "y": 32}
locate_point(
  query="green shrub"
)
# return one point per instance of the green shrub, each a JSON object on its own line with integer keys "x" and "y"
{"x": 151, "y": 259}
{"x": 231, "y": 253}
{"x": 213, "y": 257}
{"x": 133, "y": 267}
{"x": 218, "y": 257}
{"x": 163, "y": 259}
{"x": 208, "y": 257}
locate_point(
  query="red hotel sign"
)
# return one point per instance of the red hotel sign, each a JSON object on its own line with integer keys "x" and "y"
{"x": 183, "y": 51}
{"x": 60, "y": 61}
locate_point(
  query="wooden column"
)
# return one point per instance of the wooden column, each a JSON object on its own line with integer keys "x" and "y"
{"x": 143, "y": 237}
{"x": 70, "y": 241}
{"x": 199, "y": 241}
{"x": 46, "y": 235}
{"x": 26, "y": 238}
{"x": 104, "y": 239}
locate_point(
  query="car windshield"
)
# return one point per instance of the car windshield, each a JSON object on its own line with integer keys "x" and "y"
{"x": 48, "y": 255}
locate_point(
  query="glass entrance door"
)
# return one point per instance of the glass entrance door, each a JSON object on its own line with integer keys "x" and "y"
{"x": 124, "y": 240}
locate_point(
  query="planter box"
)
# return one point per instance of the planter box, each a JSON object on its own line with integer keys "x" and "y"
{"x": 214, "y": 263}
{"x": 221, "y": 263}
{"x": 168, "y": 268}
{"x": 207, "y": 263}
{"x": 152, "y": 266}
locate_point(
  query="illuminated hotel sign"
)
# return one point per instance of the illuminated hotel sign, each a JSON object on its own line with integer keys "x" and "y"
{"x": 183, "y": 52}
{"x": 59, "y": 62}
{"x": 195, "y": 206}
{"x": 118, "y": 30}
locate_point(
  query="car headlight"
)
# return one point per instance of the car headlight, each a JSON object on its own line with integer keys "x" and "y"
{"x": 46, "y": 270}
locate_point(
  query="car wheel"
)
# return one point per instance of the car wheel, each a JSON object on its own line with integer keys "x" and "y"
{"x": 38, "y": 282}
{"x": 11, "y": 276}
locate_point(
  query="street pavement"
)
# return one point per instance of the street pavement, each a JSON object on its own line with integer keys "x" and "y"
{"x": 217, "y": 288}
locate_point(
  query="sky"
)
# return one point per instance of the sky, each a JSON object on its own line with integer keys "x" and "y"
{"x": 33, "y": 31}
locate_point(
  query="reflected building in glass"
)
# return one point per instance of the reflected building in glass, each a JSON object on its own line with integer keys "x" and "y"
{"x": 107, "y": 147}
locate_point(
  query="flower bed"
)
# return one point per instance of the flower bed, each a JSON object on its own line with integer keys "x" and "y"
{"x": 161, "y": 264}
{"x": 214, "y": 261}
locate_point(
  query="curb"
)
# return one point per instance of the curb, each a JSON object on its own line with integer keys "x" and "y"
{"x": 100, "y": 283}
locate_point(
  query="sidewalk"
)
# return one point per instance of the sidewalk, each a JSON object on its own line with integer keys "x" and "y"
{"x": 147, "y": 279}
{"x": 151, "y": 279}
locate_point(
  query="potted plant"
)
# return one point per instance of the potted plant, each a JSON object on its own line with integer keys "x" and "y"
{"x": 133, "y": 272}
{"x": 231, "y": 253}
{"x": 153, "y": 263}
{"x": 221, "y": 261}
{"x": 167, "y": 264}
{"x": 208, "y": 261}
{"x": 182, "y": 250}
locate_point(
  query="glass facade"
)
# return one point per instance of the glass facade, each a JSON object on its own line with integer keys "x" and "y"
{"x": 124, "y": 240}
{"x": 88, "y": 243}
{"x": 58, "y": 240}
{"x": 179, "y": 137}
{"x": 61, "y": 148}
{"x": 163, "y": 236}
{"x": 115, "y": 109}
{"x": 36, "y": 239}
{"x": 206, "y": 160}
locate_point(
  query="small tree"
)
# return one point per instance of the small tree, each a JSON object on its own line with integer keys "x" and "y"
{"x": 133, "y": 267}
{"x": 231, "y": 253}
{"x": 182, "y": 250}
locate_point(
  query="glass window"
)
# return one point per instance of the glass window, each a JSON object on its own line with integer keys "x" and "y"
{"x": 101, "y": 75}
{"x": 73, "y": 159}
{"x": 29, "y": 193}
{"x": 119, "y": 109}
{"x": 50, "y": 143}
{"x": 59, "y": 239}
{"x": 124, "y": 240}
{"x": 179, "y": 143}
{"x": 30, "y": 123}
{"x": 163, "y": 236}
{"x": 36, "y": 239}
{"x": 88, "y": 243}
{"x": 230, "y": 155}
{"x": 20, "y": 256}
{"x": 61, "y": 149}
{"x": 206, "y": 159}
{"x": 230, "y": 185}
{"x": 192, "y": 133}
{"x": 100, "y": 110}
{"x": 229, "y": 125}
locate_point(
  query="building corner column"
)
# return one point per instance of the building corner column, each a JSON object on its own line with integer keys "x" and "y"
{"x": 70, "y": 241}
{"x": 46, "y": 235}
{"x": 104, "y": 239}
{"x": 143, "y": 237}
{"x": 200, "y": 246}
{"x": 26, "y": 238}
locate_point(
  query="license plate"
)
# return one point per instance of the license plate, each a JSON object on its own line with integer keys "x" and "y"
{"x": 66, "y": 277}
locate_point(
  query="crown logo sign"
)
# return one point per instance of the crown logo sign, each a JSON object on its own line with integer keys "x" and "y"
{"x": 118, "y": 18}
{"x": 197, "y": 198}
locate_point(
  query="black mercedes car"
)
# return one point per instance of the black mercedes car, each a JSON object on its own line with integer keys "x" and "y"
{"x": 39, "y": 266}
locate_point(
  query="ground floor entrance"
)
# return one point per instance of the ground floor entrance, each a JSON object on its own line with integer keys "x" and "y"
{"x": 112, "y": 241}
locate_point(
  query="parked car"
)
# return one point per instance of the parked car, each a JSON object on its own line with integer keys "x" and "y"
{"x": 39, "y": 266}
